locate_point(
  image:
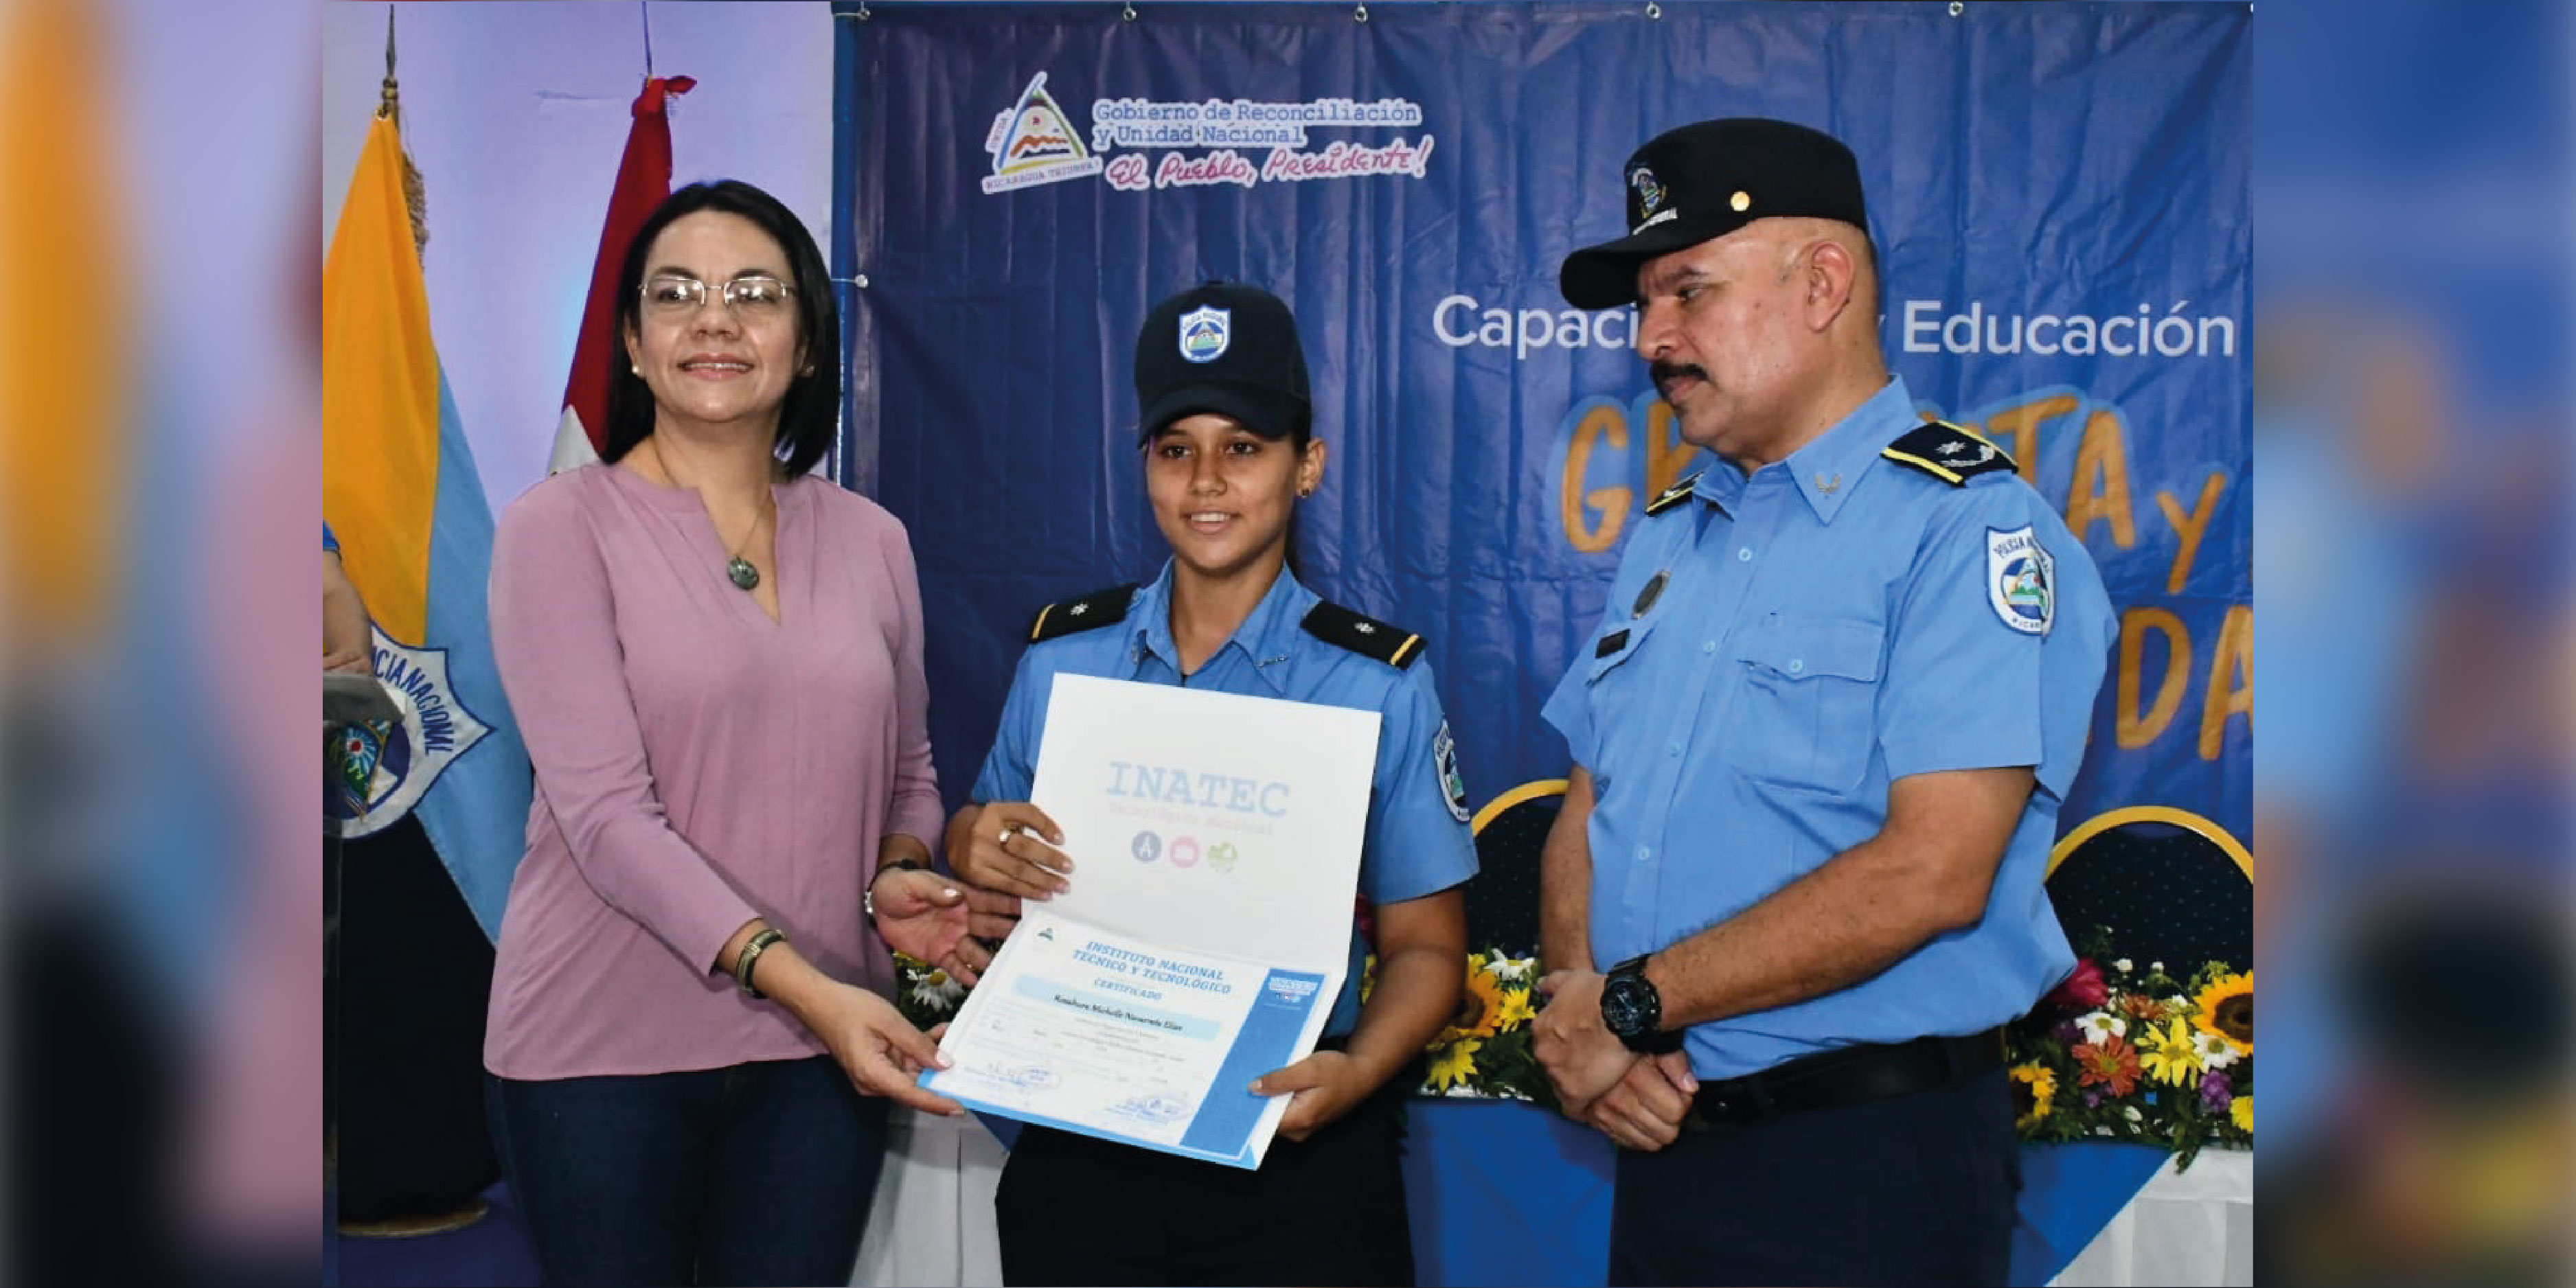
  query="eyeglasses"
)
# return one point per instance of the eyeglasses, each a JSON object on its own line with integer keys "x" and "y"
{"x": 748, "y": 297}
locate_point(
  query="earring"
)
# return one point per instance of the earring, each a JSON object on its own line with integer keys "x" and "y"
{"x": 637, "y": 369}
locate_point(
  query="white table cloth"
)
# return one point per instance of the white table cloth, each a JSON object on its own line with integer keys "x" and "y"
{"x": 932, "y": 1221}
{"x": 2183, "y": 1228}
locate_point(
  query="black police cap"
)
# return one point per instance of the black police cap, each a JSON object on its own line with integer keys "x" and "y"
{"x": 1225, "y": 348}
{"x": 1706, "y": 180}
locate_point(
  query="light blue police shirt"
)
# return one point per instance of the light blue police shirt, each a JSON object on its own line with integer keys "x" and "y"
{"x": 1830, "y": 623}
{"x": 1417, "y": 841}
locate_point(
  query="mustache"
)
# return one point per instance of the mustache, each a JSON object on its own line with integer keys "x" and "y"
{"x": 1665, "y": 373}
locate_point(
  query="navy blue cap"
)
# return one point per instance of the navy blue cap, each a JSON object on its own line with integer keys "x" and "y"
{"x": 1226, "y": 348}
{"x": 1706, "y": 180}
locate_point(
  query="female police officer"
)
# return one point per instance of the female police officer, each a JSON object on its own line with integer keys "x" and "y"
{"x": 1229, "y": 450}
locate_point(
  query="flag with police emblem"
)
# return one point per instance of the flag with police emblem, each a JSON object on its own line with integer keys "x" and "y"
{"x": 400, "y": 490}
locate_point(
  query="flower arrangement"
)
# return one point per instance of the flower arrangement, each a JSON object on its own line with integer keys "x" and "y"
{"x": 1484, "y": 1050}
{"x": 2141, "y": 1057}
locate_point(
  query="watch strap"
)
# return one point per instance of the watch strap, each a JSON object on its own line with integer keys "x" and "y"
{"x": 868, "y": 895}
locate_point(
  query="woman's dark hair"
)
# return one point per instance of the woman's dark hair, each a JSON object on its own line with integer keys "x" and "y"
{"x": 810, "y": 417}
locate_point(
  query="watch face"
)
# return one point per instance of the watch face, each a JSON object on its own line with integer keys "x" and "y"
{"x": 1628, "y": 1005}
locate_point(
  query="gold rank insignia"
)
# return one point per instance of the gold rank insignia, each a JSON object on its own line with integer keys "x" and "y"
{"x": 1097, "y": 609}
{"x": 1674, "y": 495}
{"x": 1361, "y": 634}
{"x": 1951, "y": 453}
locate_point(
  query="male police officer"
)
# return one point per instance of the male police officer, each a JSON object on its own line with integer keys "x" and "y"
{"x": 1820, "y": 740}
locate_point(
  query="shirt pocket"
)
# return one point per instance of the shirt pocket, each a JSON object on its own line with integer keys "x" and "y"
{"x": 1620, "y": 692}
{"x": 1808, "y": 718}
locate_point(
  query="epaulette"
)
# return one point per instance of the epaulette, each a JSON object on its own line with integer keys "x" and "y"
{"x": 1366, "y": 636}
{"x": 1951, "y": 453}
{"x": 1097, "y": 609}
{"x": 1672, "y": 496}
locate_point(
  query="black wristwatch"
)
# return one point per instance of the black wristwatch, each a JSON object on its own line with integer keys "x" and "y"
{"x": 1634, "y": 1012}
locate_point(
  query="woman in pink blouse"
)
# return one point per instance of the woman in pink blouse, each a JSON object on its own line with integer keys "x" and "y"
{"x": 716, "y": 660}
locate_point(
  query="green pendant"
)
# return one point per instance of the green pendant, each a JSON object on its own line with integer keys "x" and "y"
{"x": 742, "y": 573}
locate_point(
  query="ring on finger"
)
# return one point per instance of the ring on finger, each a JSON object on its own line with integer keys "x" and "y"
{"x": 1009, "y": 830}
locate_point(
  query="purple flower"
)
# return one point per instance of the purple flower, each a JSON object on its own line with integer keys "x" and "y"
{"x": 2067, "y": 1032}
{"x": 2092, "y": 1099}
{"x": 2215, "y": 1094}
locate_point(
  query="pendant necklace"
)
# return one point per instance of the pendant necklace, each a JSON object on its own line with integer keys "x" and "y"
{"x": 738, "y": 570}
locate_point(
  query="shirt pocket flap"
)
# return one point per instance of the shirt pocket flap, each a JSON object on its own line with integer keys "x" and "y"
{"x": 1801, "y": 649}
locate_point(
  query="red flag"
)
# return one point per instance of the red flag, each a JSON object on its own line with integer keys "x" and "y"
{"x": 643, "y": 180}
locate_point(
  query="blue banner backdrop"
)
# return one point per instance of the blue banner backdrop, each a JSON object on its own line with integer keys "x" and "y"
{"x": 2060, "y": 199}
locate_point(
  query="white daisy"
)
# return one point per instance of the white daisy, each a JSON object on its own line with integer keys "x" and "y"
{"x": 2102, "y": 1024}
{"x": 2123, "y": 966}
{"x": 1512, "y": 968}
{"x": 937, "y": 990}
{"x": 2214, "y": 1051}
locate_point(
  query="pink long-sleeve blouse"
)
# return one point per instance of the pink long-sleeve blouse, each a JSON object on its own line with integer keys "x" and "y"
{"x": 697, "y": 765}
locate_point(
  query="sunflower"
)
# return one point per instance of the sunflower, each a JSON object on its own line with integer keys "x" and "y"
{"x": 2167, "y": 1054}
{"x": 2226, "y": 1009}
{"x": 1480, "y": 1004}
{"x": 1453, "y": 1064}
{"x": 2241, "y": 1112}
{"x": 2034, "y": 1094}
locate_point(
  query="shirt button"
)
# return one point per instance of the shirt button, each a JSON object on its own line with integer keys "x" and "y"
{"x": 1673, "y": 748}
{"x": 1645, "y": 852}
{"x": 1709, "y": 647}
{"x": 1797, "y": 666}
{"x": 1744, "y": 555}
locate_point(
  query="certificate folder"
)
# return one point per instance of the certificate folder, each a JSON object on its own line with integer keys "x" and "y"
{"x": 1216, "y": 841}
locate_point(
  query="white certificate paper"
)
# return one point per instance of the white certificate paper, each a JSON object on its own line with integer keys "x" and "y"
{"x": 1216, "y": 843}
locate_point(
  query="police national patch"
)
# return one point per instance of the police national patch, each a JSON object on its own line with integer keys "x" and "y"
{"x": 2021, "y": 580}
{"x": 1444, "y": 759}
{"x": 1206, "y": 332}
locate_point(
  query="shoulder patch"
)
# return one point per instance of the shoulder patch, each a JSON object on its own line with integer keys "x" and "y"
{"x": 1951, "y": 453}
{"x": 1366, "y": 636}
{"x": 1674, "y": 495}
{"x": 1097, "y": 609}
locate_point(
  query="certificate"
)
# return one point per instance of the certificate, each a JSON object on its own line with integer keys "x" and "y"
{"x": 1216, "y": 842}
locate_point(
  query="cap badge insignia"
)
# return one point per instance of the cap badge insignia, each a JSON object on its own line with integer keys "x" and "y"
{"x": 1650, "y": 191}
{"x": 1205, "y": 333}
